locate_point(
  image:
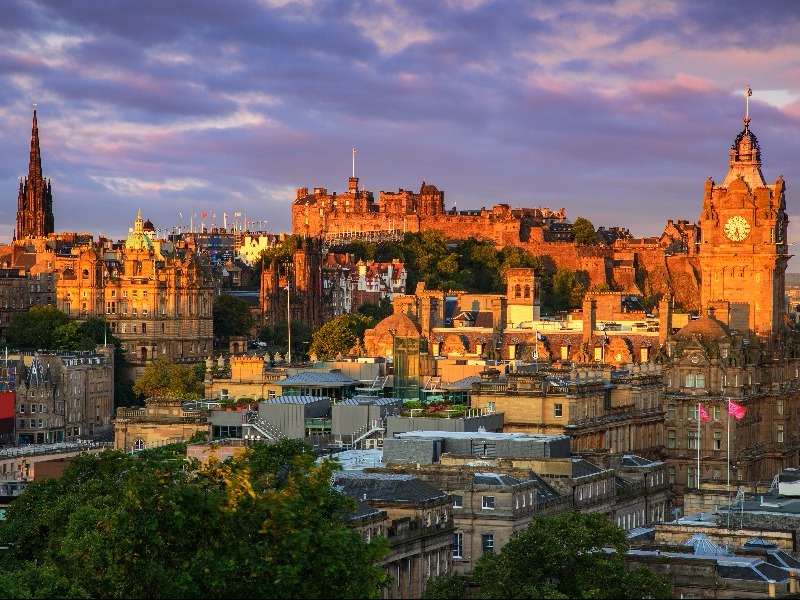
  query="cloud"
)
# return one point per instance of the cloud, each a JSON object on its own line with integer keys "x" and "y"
{"x": 128, "y": 186}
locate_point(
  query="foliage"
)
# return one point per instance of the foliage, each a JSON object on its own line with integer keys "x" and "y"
{"x": 277, "y": 339}
{"x": 583, "y": 231}
{"x": 36, "y": 327}
{"x": 280, "y": 253}
{"x": 164, "y": 378}
{"x": 121, "y": 526}
{"x": 376, "y": 312}
{"x": 572, "y": 555}
{"x": 445, "y": 587}
{"x": 232, "y": 317}
{"x": 568, "y": 292}
{"x": 339, "y": 335}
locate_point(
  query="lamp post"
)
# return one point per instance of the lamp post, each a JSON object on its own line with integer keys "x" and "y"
{"x": 288, "y": 322}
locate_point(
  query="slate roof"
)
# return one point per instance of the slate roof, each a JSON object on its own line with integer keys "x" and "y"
{"x": 497, "y": 479}
{"x": 318, "y": 378}
{"x": 368, "y": 400}
{"x": 632, "y": 460}
{"x": 759, "y": 571}
{"x": 385, "y": 486}
{"x": 779, "y": 558}
{"x": 295, "y": 400}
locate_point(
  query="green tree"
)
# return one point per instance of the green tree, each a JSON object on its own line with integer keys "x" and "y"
{"x": 232, "y": 317}
{"x": 583, "y": 231}
{"x": 376, "y": 312}
{"x": 164, "y": 378}
{"x": 572, "y": 555}
{"x": 118, "y": 526}
{"x": 339, "y": 335}
{"x": 446, "y": 587}
{"x": 35, "y": 327}
{"x": 568, "y": 292}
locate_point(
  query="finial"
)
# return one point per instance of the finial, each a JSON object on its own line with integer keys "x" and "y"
{"x": 748, "y": 92}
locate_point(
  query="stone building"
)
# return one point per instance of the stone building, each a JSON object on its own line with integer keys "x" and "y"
{"x": 35, "y": 200}
{"x": 161, "y": 421}
{"x": 420, "y": 528}
{"x": 156, "y": 299}
{"x": 65, "y": 397}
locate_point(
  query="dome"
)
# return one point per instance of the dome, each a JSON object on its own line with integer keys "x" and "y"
{"x": 705, "y": 327}
{"x": 148, "y": 226}
{"x": 138, "y": 239}
{"x": 398, "y": 323}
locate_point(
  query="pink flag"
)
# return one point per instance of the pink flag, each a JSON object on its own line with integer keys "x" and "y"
{"x": 703, "y": 414}
{"x": 737, "y": 410}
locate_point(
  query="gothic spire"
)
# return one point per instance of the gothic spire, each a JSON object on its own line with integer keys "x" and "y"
{"x": 35, "y": 166}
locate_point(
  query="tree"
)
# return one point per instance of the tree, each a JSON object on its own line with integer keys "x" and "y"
{"x": 163, "y": 378}
{"x": 376, "y": 312}
{"x": 119, "y": 526}
{"x": 572, "y": 555}
{"x": 445, "y": 587}
{"x": 232, "y": 317}
{"x": 583, "y": 231}
{"x": 339, "y": 335}
{"x": 568, "y": 292}
{"x": 35, "y": 327}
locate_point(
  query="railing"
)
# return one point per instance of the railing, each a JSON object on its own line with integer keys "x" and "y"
{"x": 367, "y": 430}
{"x": 263, "y": 427}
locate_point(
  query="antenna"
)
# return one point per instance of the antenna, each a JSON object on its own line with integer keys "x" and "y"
{"x": 354, "y": 162}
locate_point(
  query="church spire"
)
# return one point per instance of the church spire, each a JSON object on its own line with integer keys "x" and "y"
{"x": 35, "y": 200}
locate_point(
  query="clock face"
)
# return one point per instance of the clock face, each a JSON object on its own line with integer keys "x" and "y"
{"x": 736, "y": 228}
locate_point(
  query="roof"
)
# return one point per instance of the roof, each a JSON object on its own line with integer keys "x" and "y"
{"x": 386, "y": 487}
{"x": 760, "y": 571}
{"x": 707, "y": 327}
{"x": 632, "y": 460}
{"x": 295, "y": 400}
{"x": 369, "y": 400}
{"x": 497, "y": 479}
{"x": 705, "y": 547}
{"x": 484, "y": 435}
{"x": 465, "y": 383}
{"x": 318, "y": 378}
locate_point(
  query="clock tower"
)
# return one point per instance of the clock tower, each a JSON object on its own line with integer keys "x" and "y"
{"x": 743, "y": 250}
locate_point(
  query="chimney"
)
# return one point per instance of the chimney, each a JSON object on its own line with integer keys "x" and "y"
{"x": 793, "y": 582}
{"x": 589, "y": 320}
{"x": 664, "y": 320}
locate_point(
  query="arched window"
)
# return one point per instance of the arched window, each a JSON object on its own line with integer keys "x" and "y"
{"x": 527, "y": 292}
{"x": 517, "y": 291}
{"x": 138, "y": 444}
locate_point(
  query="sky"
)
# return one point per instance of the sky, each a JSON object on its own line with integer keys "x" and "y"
{"x": 617, "y": 111}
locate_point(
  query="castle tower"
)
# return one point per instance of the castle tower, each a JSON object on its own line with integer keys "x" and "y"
{"x": 35, "y": 200}
{"x": 743, "y": 249}
{"x": 523, "y": 297}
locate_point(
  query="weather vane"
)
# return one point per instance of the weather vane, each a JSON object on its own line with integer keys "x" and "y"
{"x": 747, "y": 94}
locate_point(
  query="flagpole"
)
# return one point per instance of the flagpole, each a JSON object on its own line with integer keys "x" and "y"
{"x": 698, "y": 446}
{"x": 288, "y": 322}
{"x": 729, "y": 443}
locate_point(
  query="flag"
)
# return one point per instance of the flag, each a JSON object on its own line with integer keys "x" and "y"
{"x": 703, "y": 414}
{"x": 538, "y": 337}
{"x": 749, "y": 91}
{"x": 237, "y": 214}
{"x": 225, "y": 215}
{"x": 605, "y": 337}
{"x": 205, "y": 214}
{"x": 737, "y": 410}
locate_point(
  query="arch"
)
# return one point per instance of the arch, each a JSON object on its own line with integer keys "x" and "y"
{"x": 143, "y": 353}
{"x": 517, "y": 291}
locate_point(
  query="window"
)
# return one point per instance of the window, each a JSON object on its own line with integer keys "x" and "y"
{"x": 717, "y": 412}
{"x": 488, "y": 502}
{"x": 671, "y": 475}
{"x": 779, "y": 437}
{"x": 557, "y": 410}
{"x": 458, "y": 501}
{"x": 33, "y": 408}
{"x": 700, "y": 380}
{"x": 40, "y": 424}
{"x": 490, "y": 407}
{"x": 487, "y": 542}
{"x": 671, "y": 438}
{"x": 22, "y": 423}
{"x": 517, "y": 291}
{"x": 717, "y": 473}
{"x": 691, "y": 441}
{"x": 22, "y": 409}
{"x": 138, "y": 444}
{"x": 564, "y": 352}
{"x": 690, "y": 380}
{"x": 671, "y": 412}
{"x": 717, "y": 440}
{"x": 458, "y": 545}
{"x": 690, "y": 477}
{"x": 779, "y": 406}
